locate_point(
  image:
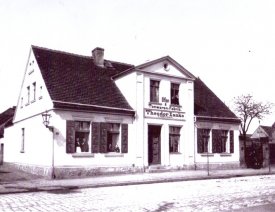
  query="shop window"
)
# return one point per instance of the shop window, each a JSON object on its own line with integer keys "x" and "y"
{"x": 113, "y": 144}
{"x": 224, "y": 139}
{"x": 105, "y": 137}
{"x": 220, "y": 141}
{"x": 77, "y": 136}
{"x": 82, "y": 131}
{"x": 174, "y": 93}
{"x": 154, "y": 91}
{"x": 203, "y": 140}
{"x": 174, "y": 139}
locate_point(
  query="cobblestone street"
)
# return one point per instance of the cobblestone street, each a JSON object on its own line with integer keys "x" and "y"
{"x": 201, "y": 195}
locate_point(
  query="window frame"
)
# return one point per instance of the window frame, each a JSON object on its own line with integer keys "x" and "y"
{"x": 154, "y": 90}
{"x": 174, "y": 88}
{"x": 80, "y": 131}
{"x": 205, "y": 142}
{"x": 173, "y": 134}
{"x": 22, "y": 150}
{"x": 34, "y": 91}
{"x": 28, "y": 95}
{"x": 224, "y": 141}
{"x": 114, "y": 132}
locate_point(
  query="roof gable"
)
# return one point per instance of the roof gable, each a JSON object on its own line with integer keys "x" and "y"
{"x": 263, "y": 132}
{"x": 165, "y": 66}
{"x": 74, "y": 79}
{"x": 206, "y": 103}
{"x": 168, "y": 66}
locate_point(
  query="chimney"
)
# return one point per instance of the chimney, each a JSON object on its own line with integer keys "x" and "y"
{"x": 98, "y": 55}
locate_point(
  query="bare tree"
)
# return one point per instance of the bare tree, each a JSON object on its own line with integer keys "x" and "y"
{"x": 248, "y": 109}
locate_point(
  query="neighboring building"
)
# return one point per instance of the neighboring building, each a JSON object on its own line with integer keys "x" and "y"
{"x": 6, "y": 118}
{"x": 263, "y": 143}
{"x": 115, "y": 117}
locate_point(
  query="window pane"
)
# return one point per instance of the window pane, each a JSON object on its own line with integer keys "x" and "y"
{"x": 202, "y": 140}
{"x": 81, "y": 139}
{"x": 154, "y": 91}
{"x": 174, "y": 93}
{"x": 174, "y": 138}
{"x": 113, "y": 144}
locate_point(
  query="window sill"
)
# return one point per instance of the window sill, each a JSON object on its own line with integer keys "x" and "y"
{"x": 225, "y": 154}
{"x": 32, "y": 101}
{"x": 175, "y": 153}
{"x": 113, "y": 154}
{"x": 175, "y": 105}
{"x": 207, "y": 155}
{"x": 27, "y": 104}
{"x": 22, "y": 151}
{"x": 155, "y": 103}
{"x": 40, "y": 97}
{"x": 83, "y": 155}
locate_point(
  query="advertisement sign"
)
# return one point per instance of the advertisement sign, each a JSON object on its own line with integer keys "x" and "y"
{"x": 164, "y": 111}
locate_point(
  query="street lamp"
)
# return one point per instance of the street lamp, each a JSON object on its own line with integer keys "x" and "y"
{"x": 46, "y": 121}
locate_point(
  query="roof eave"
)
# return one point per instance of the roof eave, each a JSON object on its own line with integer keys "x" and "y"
{"x": 218, "y": 119}
{"x": 91, "y": 108}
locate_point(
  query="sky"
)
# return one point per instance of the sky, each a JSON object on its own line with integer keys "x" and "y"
{"x": 229, "y": 44}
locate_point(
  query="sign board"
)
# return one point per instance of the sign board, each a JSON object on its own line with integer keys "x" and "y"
{"x": 164, "y": 111}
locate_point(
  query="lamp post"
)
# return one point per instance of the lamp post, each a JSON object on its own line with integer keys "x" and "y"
{"x": 46, "y": 121}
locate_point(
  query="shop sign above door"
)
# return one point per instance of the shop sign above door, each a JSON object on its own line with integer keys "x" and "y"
{"x": 164, "y": 111}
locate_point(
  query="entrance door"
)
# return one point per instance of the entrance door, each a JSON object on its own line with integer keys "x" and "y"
{"x": 154, "y": 144}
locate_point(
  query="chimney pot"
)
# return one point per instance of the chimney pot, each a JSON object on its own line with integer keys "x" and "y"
{"x": 98, "y": 56}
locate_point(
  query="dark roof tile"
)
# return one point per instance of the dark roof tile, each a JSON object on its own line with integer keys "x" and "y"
{"x": 208, "y": 104}
{"x": 74, "y": 78}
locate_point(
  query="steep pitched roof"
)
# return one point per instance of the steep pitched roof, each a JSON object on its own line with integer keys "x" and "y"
{"x": 72, "y": 78}
{"x": 207, "y": 104}
{"x": 6, "y": 119}
{"x": 268, "y": 130}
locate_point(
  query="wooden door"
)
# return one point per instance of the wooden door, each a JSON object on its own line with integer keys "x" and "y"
{"x": 154, "y": 144}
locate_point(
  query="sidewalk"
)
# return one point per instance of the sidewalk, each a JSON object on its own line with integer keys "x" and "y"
{"x": 24, "y": 182}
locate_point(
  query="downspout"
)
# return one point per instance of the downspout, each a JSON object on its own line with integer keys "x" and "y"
{"x": 51, "y": 128}
{"x": 53, "y": 170}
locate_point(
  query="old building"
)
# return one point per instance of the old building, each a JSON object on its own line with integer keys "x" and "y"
{"x": 6, "y": 118}
{"x": 108, "y": 116}
{"x": 261, "y": 146}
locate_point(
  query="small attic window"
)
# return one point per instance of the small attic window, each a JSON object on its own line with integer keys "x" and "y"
{"x": 166, "y": 66}
{"x": 28, "y": 96}
{"x": 34, "y": 91}
{"x": 31, "y": 69}
{"x": 41, "y": 89}
{"x": 21, "y": 104}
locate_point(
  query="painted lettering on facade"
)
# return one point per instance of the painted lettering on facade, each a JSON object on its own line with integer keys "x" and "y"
{"x": 164, "y": 111}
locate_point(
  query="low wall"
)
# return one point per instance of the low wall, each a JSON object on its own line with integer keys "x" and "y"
{"x": 67, "y": 172}
{"x": 217, "y": 166}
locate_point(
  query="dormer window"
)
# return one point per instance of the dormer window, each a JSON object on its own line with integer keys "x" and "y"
{"x": 175, "y": 93}
{"x": 154, "y": 91}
